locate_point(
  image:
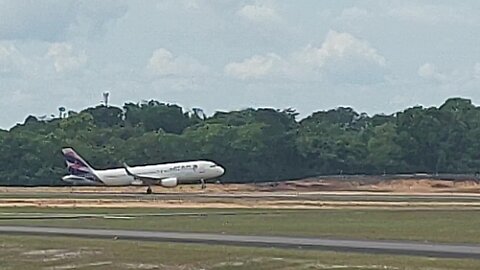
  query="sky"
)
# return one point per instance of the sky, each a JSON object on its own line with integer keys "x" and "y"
{"x": 374, "y": 56}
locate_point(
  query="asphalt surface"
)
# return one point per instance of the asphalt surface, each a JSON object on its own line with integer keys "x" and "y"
{"x": 343, "y": 245}
{"x": 43, "y": 215}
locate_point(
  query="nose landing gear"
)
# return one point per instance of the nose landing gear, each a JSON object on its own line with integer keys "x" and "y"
{"x": 204, "y": 185}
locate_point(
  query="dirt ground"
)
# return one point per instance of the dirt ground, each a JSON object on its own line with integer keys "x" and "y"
{"x": 308, "y": 185}
{"x": 404, "y": 186}
{"x": 304, "y": 194}
{"x": 236, "y": 204}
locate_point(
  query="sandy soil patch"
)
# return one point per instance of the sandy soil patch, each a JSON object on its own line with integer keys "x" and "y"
{"x": 244, "y": 204}
{"x": 308, "y": 185}
{"x": 282, "y": 195}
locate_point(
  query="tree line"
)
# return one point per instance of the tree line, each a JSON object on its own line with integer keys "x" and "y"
{"x": 253, "y": 144}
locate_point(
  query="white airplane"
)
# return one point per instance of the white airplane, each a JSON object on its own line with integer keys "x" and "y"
{"x": 165, "y": 175}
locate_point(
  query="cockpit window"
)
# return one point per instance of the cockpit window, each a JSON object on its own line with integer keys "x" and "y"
{"x": 213, "y": 166}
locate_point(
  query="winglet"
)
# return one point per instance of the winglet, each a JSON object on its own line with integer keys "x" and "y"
{"x": 127, "y": 170}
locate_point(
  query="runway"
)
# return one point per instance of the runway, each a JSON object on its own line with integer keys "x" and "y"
{"x": 39, "y": 215}
{"x": 342, "y": 245}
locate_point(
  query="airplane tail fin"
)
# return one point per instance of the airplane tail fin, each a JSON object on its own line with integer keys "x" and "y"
{"x": 77, "y": 166}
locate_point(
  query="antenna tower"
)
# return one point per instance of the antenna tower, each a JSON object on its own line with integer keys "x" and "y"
{"x": 105, "y": 98}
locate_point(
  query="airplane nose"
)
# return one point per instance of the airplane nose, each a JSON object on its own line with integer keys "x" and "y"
{"x": 221, "y": 170}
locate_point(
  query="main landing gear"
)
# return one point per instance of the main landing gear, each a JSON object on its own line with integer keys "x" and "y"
{"x": 149, "y": 190}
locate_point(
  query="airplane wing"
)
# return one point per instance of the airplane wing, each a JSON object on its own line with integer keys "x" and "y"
{"x": 146, "y": 179}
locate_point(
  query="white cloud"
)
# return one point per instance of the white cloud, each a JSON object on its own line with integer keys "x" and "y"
{"x": 259, "y": 13}
{"x": 344, "y": 58}
{"x": 339, "y": 47}
{"x": 476, "y": 71}
{"x": 164, "y": 63}
{"x": 341, "y": 58}
{"x": 456, "y": 78}
{"x": 192, "y": 4}
{"x": 13, "y": 62}
{"x": 65, "y": 58}
{"x": 93, "y": 17}
{"x": 26, "y": 19}
{"x": 430, "y": 72}
{"x": 426, "y": 70}
{"x": 353, "y": 13}
{"x": 7, "y": 61}
{"x": 255, "y": 67}
{"x": 433, "y": 14}
{"x": 51, "y": 20}
{"x": 332, "y": 71}
{"x": 354, "y": 19}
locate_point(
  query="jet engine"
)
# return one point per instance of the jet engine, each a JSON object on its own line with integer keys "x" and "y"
{"x": 78, "y": 180}
{"x": 169, "y": 182}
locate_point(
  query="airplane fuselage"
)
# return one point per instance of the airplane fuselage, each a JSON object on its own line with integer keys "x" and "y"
{"x": 188, "y": 172}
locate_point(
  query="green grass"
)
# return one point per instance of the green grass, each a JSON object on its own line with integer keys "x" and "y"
{"x": 418, "y": 225}
{"x": 32, "y": 252}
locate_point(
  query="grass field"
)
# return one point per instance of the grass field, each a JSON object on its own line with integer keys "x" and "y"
{"x": 28, "y": 253}
{"x": 418, "y": 225}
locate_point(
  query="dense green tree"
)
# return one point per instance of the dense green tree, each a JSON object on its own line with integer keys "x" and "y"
{"x": 383, "y": 151}
{"x": 106, "y": 116}
{"x": 252, "y": 144}
{"x": 333, "y": 142}
{"x": 153, "y": 116}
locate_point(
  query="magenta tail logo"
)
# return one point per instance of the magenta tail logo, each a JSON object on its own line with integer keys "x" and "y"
{"x": 76, "y": 166}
